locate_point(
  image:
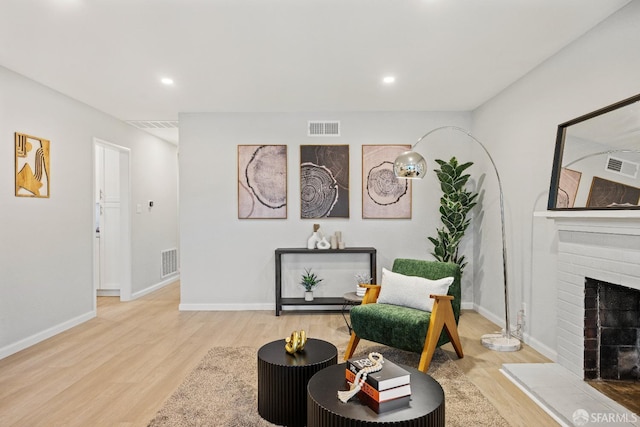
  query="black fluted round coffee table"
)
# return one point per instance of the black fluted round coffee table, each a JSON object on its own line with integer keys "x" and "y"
{"x": 324, "y": 408}
{"x": 283, "y": 378}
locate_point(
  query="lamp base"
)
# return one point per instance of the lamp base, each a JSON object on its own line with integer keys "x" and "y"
{"x": 499, "y": 342}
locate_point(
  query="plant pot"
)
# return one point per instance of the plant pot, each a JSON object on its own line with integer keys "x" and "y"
{"x": 360, "y": 291}
{"x": 308, "y": 296}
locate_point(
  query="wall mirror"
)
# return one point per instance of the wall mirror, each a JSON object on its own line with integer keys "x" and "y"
{"x": 597, "y": 160}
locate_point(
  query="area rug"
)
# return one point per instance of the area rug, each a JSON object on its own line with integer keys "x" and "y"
{"x": 222, "y": 391}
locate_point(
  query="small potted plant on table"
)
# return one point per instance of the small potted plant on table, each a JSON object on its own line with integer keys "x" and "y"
{"x": 309, "y": 282}
{"x": 362, "y": 279}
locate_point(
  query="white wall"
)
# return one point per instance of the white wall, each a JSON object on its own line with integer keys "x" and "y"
{"x": 519, "y": 127}
{"x": 46, "y": 244}
{"x": 228, "y": 263}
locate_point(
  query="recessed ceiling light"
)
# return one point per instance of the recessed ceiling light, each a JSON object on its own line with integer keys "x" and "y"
{"x": 167, "y": 81}
{"x": 389, "y": 79}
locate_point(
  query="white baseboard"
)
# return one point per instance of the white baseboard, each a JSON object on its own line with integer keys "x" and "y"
{"x": 541, "y": 348}
{"x": 108, "y": 292}
{"x": 531, "y": 342}
{"x": 490, "y": 316}
{"x": 227, "y": 307}
{"x": 47, "y": 333}
{"x": 467, "y": 306}
{"x": 155, "y": 287}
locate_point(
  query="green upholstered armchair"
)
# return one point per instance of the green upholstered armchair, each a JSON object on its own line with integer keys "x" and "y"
{"x": 408, "y": 328}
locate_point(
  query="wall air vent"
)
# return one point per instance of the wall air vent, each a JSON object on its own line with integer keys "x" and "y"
{"x": 323, "y": 128}
{"x": 169, "y": 260}
{"x": 622, "y": 167}
{"x": 154, "y": 124}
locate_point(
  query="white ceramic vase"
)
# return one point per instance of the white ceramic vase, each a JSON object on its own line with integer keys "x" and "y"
{"x": 308, "y": 295}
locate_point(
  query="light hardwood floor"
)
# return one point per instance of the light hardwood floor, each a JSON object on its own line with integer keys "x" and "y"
{"x": 117, "y": 369}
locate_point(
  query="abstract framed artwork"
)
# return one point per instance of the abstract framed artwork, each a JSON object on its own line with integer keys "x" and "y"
{"x": 324, "y": 181}
{"x": 567, "y": 188}
{"x": 32, "y": 166}
{"x": 262, "y": 181}
{"x": 612, "y": 194}
{"x": 383, "y": 195}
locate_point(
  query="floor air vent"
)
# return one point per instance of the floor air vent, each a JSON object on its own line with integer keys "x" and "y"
{"x": 622, "y": 167}
{"x": 316, "y": 128}
{"x": 169, "y": 262}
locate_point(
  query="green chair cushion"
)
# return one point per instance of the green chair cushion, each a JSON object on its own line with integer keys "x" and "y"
{"x": 403, "y": 327}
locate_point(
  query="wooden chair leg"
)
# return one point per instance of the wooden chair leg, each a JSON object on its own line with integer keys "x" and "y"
{"x": 441, "y": 317}
{"x": 353, "y": 343}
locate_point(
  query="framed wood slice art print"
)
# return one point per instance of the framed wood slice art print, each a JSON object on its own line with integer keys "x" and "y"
{"x": 383, "y": 195}
{"x": 324, "y": 181}
{"x": 262, "y": 181}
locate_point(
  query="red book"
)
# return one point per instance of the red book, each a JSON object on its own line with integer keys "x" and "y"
{"x": 379, "y": 395}
{"x": 390, "y": 376}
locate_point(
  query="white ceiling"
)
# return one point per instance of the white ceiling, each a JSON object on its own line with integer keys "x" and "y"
{"x": 285, "y": 55}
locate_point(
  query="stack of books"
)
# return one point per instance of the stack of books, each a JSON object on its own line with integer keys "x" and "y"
{"x": 385, "y": 390}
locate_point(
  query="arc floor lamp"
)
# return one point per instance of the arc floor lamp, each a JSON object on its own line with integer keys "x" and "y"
{"x": 412, "y": 165}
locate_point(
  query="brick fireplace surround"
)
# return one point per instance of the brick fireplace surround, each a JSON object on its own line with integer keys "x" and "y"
{"x": 603, "y": 246}
{"x": 607, "y": 251}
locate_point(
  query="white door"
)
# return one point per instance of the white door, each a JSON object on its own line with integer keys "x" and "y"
{"x": 112, "y": 248}
{"x": 108, "y": 230}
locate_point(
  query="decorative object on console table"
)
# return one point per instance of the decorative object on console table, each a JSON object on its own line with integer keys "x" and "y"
{"x": 317, "y": 239}
{"x": 314, "y": 238}
{"x": 309, "y": 282}
{"x": 32, "y": 166}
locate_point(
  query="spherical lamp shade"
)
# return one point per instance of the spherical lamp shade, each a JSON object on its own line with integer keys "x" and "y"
{"x": 410, "y": 165}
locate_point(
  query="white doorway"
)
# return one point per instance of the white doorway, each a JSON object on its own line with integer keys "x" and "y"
{"x": 112, "y": 221}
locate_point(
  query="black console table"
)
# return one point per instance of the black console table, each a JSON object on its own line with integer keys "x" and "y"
{"x": 338, "y": 300}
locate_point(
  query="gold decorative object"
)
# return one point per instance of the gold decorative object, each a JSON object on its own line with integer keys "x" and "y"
{"x": 295, "y": 342}
{"x": 32, "y": 166}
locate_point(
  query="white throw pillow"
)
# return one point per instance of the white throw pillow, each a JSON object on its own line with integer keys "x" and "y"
{"x": 411, "y": 291}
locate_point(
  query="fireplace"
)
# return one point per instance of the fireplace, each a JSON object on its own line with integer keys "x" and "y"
{"x": 611, "y": 332}
{"x": 601, "y": 250}
{"x": 594, "y": 248}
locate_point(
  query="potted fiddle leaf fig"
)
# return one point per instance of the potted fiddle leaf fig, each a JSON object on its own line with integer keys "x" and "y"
{"x": 309, "y": 282}
{"x": 455, "y": 204}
